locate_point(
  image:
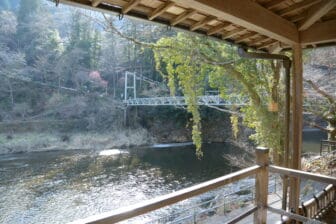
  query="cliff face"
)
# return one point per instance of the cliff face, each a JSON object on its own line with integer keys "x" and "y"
{"x": 170, "y": 124}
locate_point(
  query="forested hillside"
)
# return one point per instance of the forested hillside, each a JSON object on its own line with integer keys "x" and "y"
{"x": 54, "y": 61}
{"x": 62, "y": 73}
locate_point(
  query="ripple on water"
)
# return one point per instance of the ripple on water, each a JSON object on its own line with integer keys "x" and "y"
{"x": 71, "y": 185}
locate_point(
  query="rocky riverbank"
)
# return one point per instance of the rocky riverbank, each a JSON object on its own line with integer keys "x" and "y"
{"x": 36, "y": 141}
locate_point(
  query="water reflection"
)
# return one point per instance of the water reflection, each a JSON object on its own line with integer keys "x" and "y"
{"x": 67, "y": 185}
{"x": 75, "y": 184}
{"x": 311, "y": 139}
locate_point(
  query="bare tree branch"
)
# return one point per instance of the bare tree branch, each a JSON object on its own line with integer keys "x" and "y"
{"x": 323, "y": 93}
{"x": 319, "y": 127}
{"x": 226, "y": 111}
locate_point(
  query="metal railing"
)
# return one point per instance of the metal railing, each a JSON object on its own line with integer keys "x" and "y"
{"x": 327, "y": 146}
{"x": 261, "y": 172}
{"x": 214, "y": 100}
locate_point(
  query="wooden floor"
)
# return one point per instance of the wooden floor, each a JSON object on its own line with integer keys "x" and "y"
{"x": 330, "y": 217}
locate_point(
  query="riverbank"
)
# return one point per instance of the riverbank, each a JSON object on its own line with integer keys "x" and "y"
{"x": 47, "y": 141}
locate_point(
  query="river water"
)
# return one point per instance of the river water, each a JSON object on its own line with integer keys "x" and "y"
{"x": 62, "y": 186}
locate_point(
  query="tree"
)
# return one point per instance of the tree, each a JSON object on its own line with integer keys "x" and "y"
{"x": 36, "y": 33}
{"x": 325, "y": 110}
{"x": 320, "y": 85}
{"x": 191, "y": 62}
{"x": 11, "y": 70}
{"x": 8, "y": 26}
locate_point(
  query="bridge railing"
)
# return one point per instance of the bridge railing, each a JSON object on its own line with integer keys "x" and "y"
{"x": 180, "y": 100}
{"x": 261, "y": 172}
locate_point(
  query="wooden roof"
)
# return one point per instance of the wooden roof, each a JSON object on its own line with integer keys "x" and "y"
{"x": 268, "y": 25}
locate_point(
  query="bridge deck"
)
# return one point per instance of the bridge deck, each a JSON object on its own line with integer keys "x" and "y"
{"x": 214, "y": 100}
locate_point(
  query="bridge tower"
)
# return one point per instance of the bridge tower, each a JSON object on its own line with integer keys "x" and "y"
{"x": 130, "y": 83}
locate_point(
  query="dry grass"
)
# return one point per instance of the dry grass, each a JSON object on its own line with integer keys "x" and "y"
{"x": 28, "y": 142}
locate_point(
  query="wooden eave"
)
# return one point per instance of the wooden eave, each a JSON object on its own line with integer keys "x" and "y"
{"x": 258, "y": 24}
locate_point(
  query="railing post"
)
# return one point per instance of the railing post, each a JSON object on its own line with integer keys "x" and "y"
{"x": 261, "y": 185}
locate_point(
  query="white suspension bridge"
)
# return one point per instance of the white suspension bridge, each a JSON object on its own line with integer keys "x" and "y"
{"x": 213, "y": 99}
{"x": 131, "y": 99}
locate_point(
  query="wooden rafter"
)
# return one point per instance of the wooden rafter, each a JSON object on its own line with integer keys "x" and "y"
{"x": 232, "y": 33}
{"x": 255, "y": 16}
{"x": 319, "y": 33}
{"x": 95, "y": 3}
{"x": 267, "y": 44}
{"x": 245, "y": 37}
{"x": 259, "y": 40}
{"x": 203, "y": 22}
{"x": 247, "y": 14}
{"x": 297, "y": 6}
{"x": 316, "y": 12}
{"x": 183, "y": 16}
{"x": 218, "y": 28}
{"x": 161, "y": 10}
{"x": 272, "y": 4}
{"x": 275, "y": 48}
{"x": 130, "y": 5}
{"x": 296, "y": 18}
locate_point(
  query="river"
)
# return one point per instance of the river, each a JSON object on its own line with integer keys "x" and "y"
{"x": 62, "y": 186}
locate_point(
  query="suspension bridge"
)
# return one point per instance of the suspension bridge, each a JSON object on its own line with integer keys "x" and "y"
{"x": 212, "y": 98}
{"x": 131, "y": 99}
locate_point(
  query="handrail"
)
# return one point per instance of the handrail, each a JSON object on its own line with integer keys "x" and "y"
{"x": 292, "y": 215}
{"x": 165, "y": 200}
{"x": 319, "y": 203}
{"x": 302, "y": 174}
{"x": 244, "y": 215}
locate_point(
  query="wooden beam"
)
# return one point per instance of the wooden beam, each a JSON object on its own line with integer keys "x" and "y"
{"x": 183, "y": 16}
{"x": 245, "y": 37}
{"x": 319, "y": 33}
{"x": 297, "y": 97}
{"x": 231, "y": 33}
{"x": 218, "y": 28}
{"x": 95, "y": 3}
{"x": 267, "y": 44}
{"x": 272, "y": 4}
{"x": 203, "y": 22}
{"x": 302, "y": 174}
{"x": 247, "y": 14}
{"x": 261, "y": 185}
{"x": 275, "y": 48}
{"x": 297, "y": 6}
{"x": 161, "y": 10}
{"x": 130, "y": 5}
{"x": 316, "y": 12}
{"x": 258, "y": 40}
{"x": 296, "y": 18}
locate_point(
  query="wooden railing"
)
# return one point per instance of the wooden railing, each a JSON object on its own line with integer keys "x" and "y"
{"x": 261, "y": 172}
{"x": 169, "y": 199}
{"x": 327, "y": 146}
{"x": 319, "y": 204}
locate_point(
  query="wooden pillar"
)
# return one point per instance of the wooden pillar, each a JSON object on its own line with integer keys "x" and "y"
{"x": 297, "y": 99}
{"x": 261, "y": 186}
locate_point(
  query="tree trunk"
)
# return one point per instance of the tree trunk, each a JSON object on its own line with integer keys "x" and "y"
{"x": 11, "y": 94}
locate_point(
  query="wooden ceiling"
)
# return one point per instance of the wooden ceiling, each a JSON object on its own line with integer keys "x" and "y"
{"x": 268, "y": 25}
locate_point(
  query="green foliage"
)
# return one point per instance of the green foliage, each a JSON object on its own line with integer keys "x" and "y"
{"x": 235, "y": 122}
{"x": 193, "y": 64}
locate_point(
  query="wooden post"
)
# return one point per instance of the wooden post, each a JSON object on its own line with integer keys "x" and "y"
{"x": 261, "y": 185}
{"x": 297, "y": 84}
